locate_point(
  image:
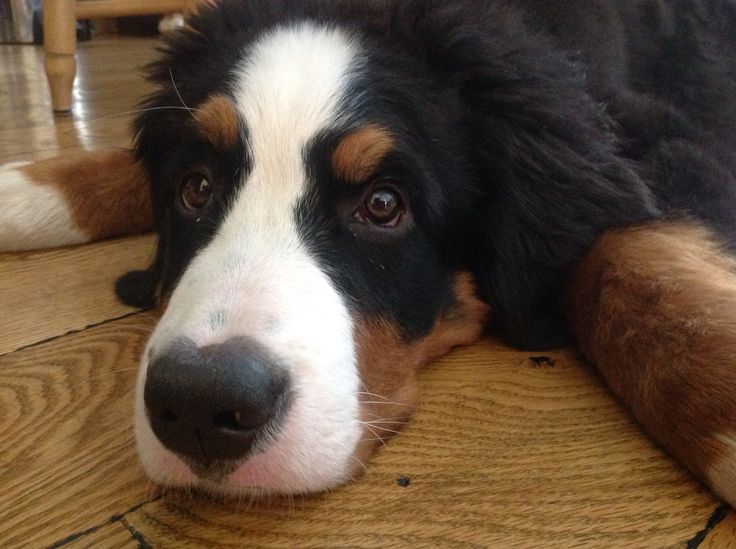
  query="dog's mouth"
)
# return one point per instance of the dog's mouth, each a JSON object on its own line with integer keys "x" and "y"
{"x": 215, "y": 471}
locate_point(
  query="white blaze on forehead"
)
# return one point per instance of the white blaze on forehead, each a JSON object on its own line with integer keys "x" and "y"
{"x": 289, "y": 91}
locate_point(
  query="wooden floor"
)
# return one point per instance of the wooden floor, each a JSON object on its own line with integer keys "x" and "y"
{"x": 503, "y": 452}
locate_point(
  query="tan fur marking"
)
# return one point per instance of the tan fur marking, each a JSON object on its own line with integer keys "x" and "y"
{"x": 359, "y": 153}
{"x": 388, "y": 366}
{"x": 655, "y": 308}
{"x": 106, "y": 191}
{"x": 217, "y": 119}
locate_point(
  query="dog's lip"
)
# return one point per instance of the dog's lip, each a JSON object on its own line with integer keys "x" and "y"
{"x": 215, "y": 471}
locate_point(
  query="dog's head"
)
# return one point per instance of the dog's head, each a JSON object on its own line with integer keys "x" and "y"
{"x": 330, "y": 183}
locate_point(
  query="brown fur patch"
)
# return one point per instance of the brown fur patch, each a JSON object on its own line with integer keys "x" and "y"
{"x": 107, "y": 191}
{"x": 217, "y": 120}
{"x": 388, "y": 366}
{"x": 654, "y": 307}
{"x": 359, "y": 153}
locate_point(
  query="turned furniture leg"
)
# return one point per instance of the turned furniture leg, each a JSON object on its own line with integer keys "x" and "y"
{"x": 60, "y": 43}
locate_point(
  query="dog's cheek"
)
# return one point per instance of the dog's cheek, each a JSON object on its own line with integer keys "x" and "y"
{"x": 388, "y": 390}
{"x": 388, "y": 365}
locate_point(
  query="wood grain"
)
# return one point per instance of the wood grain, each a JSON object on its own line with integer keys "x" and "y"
{"x": 111, "y": 536}
{"x": 55, "y": 292}
{"x": 67, "y": 460}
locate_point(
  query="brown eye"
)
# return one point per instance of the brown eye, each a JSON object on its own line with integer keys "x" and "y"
{"x": 383, "y": 207}
{"x": 196, "y": 192}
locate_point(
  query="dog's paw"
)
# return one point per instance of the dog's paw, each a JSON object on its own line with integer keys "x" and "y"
{"x": 73, "y": 199}
{"x": 137, "y": 289}
{"x": 654, "y": 307}
{"x": 36, "y": 214}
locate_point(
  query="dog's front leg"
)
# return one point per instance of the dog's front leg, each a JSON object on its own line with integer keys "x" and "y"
{"x": 71, "y": 199}
{"x": 654, "y": 307}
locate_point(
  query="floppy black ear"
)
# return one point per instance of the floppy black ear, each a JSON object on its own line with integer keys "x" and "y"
{"x": 543, "y": 153}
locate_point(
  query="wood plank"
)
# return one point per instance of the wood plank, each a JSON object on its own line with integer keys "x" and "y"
{"x": 500, "y": 453}
{"x": 109, "y": 87}
{"x": 110, "y": 536}
{"x": 67, "y": 459}
{"x": 49, "y": 293}
{"x": 93, "y": 9}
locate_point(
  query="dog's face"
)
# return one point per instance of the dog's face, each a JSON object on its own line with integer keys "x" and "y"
{"x": 328, "y": 188}
{"x": 306, "y": 273}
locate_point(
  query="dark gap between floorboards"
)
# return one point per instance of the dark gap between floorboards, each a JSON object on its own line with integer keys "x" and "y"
{"x": 76, "y": 331}
{"x": 112, "y": 520}
{"x": 717, "y": 516}
{"x": 137, "y": 536}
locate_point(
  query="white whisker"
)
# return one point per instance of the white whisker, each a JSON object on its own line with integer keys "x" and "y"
{"x": 363, "y": 465}
{"x": 372, "y": 394}
{"x": 375, "y": 434}
{"x": 381, "y": 402}
{"x": 382, "y": 429}
{"x": 171, "y": 74}
{"x": 387, "y": 420}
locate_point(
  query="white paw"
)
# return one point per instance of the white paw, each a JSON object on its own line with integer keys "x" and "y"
{"x": 35, "y": 215}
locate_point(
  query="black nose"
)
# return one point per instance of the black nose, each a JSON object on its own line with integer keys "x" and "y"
{"x": 210, "y": 403}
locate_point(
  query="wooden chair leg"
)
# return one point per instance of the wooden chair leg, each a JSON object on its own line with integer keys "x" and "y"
{"x": 60, "y": 44}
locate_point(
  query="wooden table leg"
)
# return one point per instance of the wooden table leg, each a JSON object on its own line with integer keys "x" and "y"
{"x": 60, "y": 43}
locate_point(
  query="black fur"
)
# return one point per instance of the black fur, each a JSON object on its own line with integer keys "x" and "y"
{"x": 526, "y": 128}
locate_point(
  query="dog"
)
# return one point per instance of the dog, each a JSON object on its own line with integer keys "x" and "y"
{"x": 345, "y": 190}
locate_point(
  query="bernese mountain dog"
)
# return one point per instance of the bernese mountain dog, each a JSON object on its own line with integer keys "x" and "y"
{"x": 345, "y": 190}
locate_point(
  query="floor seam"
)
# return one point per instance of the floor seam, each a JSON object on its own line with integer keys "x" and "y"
{"x": 120, "y": 517}
{"x": 135, "y": 534}
{"x": 716, "y": 517}
{"x": 74, "y": 331}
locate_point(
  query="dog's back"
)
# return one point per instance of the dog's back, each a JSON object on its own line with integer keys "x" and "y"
{"x": 666, "y": 72}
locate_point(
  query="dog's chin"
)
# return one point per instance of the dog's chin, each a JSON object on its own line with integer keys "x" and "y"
{"x": 253, "y": 477}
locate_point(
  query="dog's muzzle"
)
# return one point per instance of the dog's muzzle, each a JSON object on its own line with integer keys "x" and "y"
{"x": 213, "y": 403}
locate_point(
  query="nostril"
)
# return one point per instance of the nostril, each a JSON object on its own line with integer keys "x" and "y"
{"x": 232, "y": 421}
{"x": 167, "y": 415}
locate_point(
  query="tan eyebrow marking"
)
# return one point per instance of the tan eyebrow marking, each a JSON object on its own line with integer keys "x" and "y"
{"x": 360, "y": 152}
{"x": 218, "y": 121}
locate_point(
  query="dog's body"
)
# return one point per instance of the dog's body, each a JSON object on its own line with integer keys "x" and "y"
{"x": 345, "y": 190}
